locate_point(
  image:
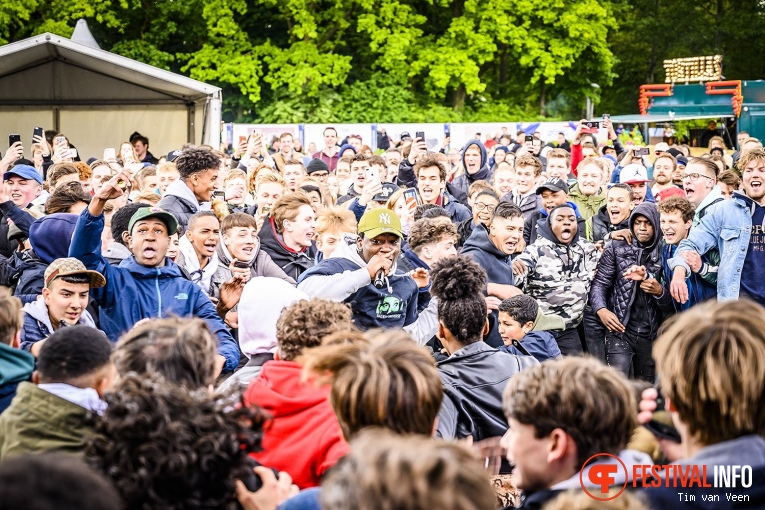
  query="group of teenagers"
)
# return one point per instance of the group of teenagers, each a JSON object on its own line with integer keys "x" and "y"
{"x": 222, "y": 330}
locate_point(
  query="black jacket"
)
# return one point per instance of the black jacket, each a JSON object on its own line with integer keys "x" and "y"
{"x": 611, "y": 290}
{"x": 181, "y": 208}
{"x": 529, "y": 205}
{"x": 292, "y": 263}
{"x": 601, "y": 224}
{"x": 474, "y": 378}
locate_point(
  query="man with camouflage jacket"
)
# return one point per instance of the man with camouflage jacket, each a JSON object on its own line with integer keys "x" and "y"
{"x": 558, "y": 269}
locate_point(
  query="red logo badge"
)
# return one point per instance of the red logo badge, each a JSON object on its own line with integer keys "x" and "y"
{"x": 603, "y": 477}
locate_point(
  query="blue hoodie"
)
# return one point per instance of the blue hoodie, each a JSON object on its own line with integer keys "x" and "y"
{"x": 134, "y": 292}
{"x": 463, "y": 182}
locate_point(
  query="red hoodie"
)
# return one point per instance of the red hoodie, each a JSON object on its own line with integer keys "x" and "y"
{"x": 305, "y": 438}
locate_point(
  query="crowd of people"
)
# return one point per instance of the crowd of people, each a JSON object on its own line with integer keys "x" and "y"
{"x": 269, "y": 329}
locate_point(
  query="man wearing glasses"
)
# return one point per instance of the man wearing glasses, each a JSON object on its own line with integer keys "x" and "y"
{"x": 736, "y": 227}
{"x": 700, "y": 184}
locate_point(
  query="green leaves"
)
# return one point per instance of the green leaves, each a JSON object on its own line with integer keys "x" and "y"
{"x": 354, "y": 60}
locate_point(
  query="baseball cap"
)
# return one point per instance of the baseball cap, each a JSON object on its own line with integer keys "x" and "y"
{"x": 25, "y": 172}
{"x": 661, "y": 147}
{"x": 316, "y": 165}
{"x": 633, "y": 174}
{"x": 172, "y": 155}
{"x": 405, "y": 136}
{"x": 70, "y": 266}
{"x": 154, "y": 212}
{"x": 682, "y": 160}
{"x": 664, "y": 194}
{"x": 388, "y": 189}
{"x": 553, "y": 185}
{"x": 380, "y": 221}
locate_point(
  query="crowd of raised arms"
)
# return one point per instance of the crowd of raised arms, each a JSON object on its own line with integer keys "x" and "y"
{"x": 402, "y": 329}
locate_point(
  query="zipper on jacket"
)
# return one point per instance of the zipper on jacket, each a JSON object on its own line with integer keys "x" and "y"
{"x": 159, "y": 295}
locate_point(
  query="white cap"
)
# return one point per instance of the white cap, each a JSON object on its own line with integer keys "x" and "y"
{"x": 661, "y": 146}
{"x": 633, "y": 174}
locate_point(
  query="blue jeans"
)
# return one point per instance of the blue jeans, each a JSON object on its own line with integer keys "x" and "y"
{"x": 594, "y": 334}
{"x": 568, "y": 342}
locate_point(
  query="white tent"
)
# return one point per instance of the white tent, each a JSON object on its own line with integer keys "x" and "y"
{"x": 97, "y": 99}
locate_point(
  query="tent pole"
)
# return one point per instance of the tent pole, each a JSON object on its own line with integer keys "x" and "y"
{"x": 190, "y": 126}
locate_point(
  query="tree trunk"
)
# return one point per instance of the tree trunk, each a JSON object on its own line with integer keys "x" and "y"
{"x": 503, "y": 71}
{"x": 542, "y": 97}
{"x": 459, "y": 98}
{"x": 718, "y": 24}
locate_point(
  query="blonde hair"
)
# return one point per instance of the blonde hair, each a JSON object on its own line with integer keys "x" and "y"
{"x": 11, "y": 316}
{"x": 167, "y": 166}
{"x": 287, "y": 207}
{"x": 579, "y": 500}
{"x": 335, "y": 219}
{"x": 589, "y": 160}
{"x": 147, "y": 197}
{"x": 235, "y": 174}
{"x": 388, "y": 382}
{"x": 711, "y": 364}
{"x": 559, "y": 153}
{"x": 385, "y": 471}
{"x": 253, "y": 180}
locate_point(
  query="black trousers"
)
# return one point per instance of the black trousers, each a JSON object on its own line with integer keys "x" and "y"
{"x": 630, "y": 353}
{"x": 594, "y": 334}
{"x": 568, "y": 342}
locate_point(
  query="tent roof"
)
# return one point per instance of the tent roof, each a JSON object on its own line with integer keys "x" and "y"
{"x": 48, "y": 70}
{"x": 658, "y": 117}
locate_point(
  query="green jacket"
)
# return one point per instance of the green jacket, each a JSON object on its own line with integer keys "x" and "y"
{"x": 588, "y": 206}
{"x": 38, "y": 421}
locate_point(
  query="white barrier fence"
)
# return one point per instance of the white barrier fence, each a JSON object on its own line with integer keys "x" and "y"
{"x": 460, "y": 133}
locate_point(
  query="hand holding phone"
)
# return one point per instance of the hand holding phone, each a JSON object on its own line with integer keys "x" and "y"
{"x": 373, "y": 174}
{"x": 411, "y": 198}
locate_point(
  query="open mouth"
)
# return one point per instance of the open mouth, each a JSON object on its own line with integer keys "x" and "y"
{"x": 756, "y": 185}
{"x": 72, "y": 316}
{"x": 510, "y": 246}
{"x": 149, "y": 253}
{"x": 210, "y": 248}
{"x": 566, "y": 234}
{"x": 247, "y": 250}
{"x": 16, "y": 196}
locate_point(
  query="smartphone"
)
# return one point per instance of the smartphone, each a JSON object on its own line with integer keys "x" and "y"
{"x": 110, "y": 154}
{"x": 448, "y": 134}
{"x": 219, "y": 194}
{"x": 420, "y": 135}
{"x": 241, "y": 265}
{"x": 411, "y": 198}
{"x": 38, "y": 131}
{"x": 373, "y": 174}
{"x": 529, "y": 138}
{"x": 606, "y": 115}
{"x": 73, "y": 153}
{"x": 13, "y": 139}
{"x": 643, "y": 151}
{"x": 60, "y": 140}
{"x": 592, "y": 125}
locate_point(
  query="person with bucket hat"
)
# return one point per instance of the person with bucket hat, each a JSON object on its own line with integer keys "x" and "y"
{"x": 65, "y": 296}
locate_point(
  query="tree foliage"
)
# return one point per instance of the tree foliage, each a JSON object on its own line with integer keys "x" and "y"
{"x": 407, "y": 60}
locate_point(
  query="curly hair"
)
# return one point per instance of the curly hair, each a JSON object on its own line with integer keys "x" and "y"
{"x": 430, "y": 230}
{"x": 458, "y": 283}
{"x": 304, "y": 324}
{"x": 679, "y": 204}
{"x": 531, "y": 161}
{"x": 182, "y": 350}
{"x": 167, "y": 447}
{"x": 195, "y": 160}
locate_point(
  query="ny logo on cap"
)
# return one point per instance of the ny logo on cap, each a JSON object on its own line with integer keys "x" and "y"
{"x": 386, "y": 192}
{"x": 385, "y": 218}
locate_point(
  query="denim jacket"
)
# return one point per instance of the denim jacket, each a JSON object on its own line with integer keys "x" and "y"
{"x": 727, "y": 226}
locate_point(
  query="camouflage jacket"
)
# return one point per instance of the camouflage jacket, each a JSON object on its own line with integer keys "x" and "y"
{"x": 559, "y": 276}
